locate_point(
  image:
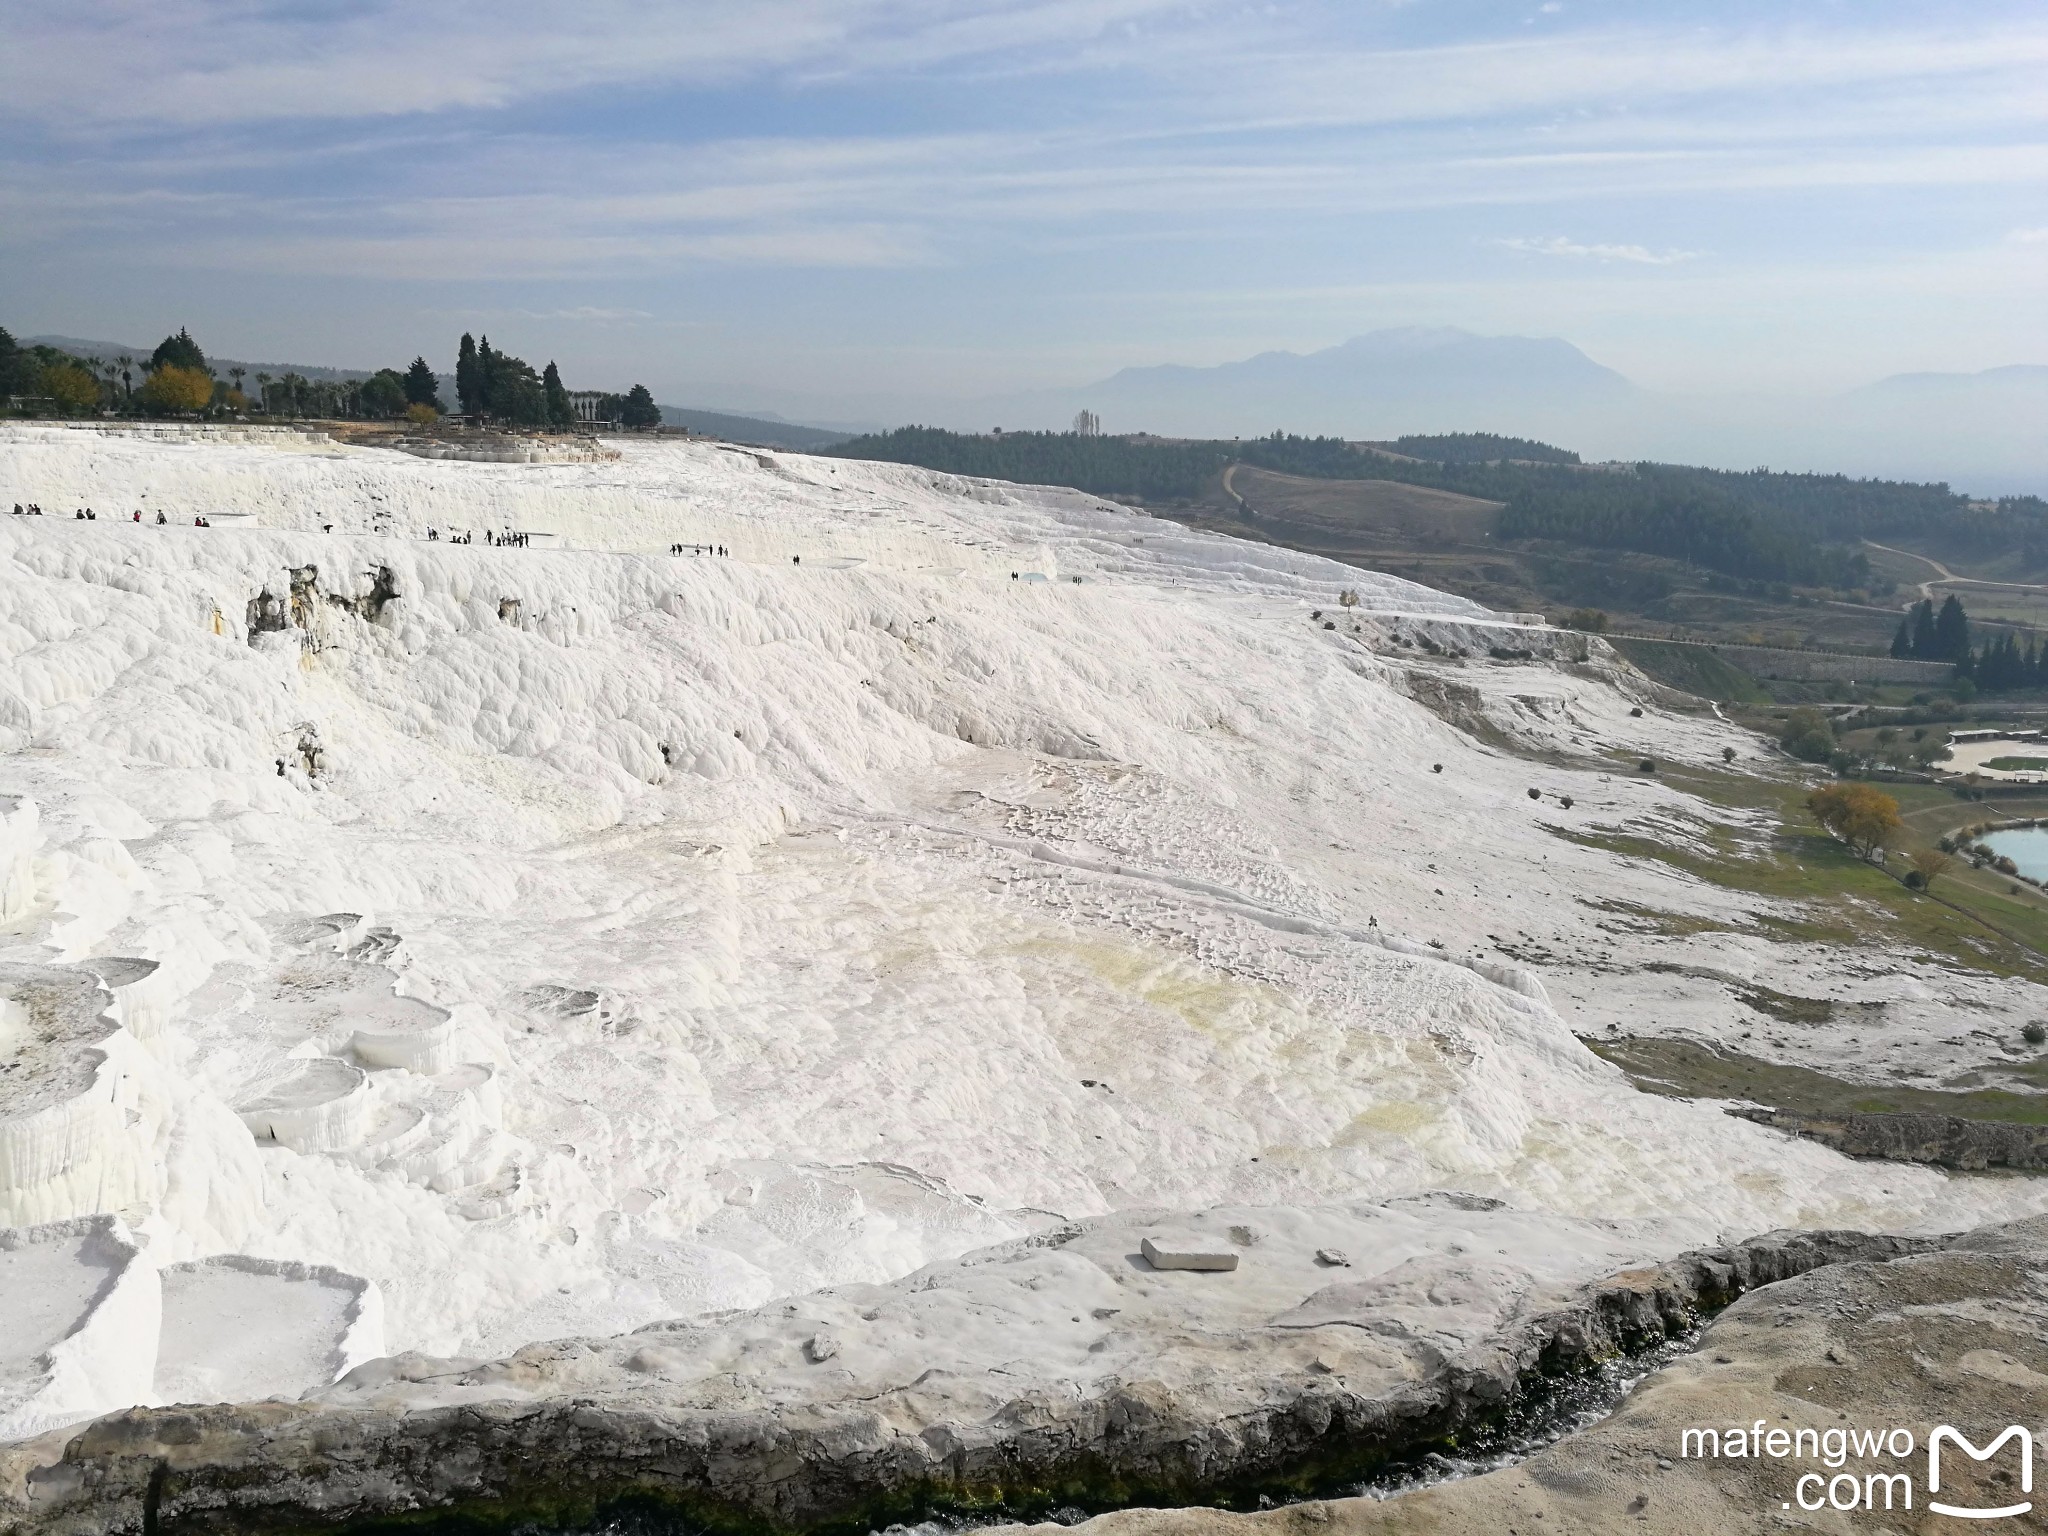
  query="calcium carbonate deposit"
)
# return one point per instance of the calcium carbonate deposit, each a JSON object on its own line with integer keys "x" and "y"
{"x": 418, "y": 942}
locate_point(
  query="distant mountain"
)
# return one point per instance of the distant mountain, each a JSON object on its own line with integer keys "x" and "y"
{"x": 1381, "y": 385}
{"x": 2023, "y": 382}
{"x": 1987, "y": 432}
{"x": 763, "y": 431}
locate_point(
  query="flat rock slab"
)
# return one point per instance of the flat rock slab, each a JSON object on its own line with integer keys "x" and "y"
{"x": 1888, "y": 1350}
{"x": 1186, "y": 1253}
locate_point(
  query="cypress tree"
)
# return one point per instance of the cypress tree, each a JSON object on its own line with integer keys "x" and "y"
{"x": 1952, "y": 631}
{"x": 559, "y": 413}
{"x": 1902, "y": 642}
{"x": 1923, "y": 629}
{"x": 421, "y": 387}
{"x": 490, "y": 389}
{"x": 468, "y": 380}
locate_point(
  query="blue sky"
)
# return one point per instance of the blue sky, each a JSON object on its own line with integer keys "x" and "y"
{"x": 822, "y": 204}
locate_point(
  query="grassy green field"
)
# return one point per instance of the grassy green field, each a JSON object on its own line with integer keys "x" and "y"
{"x": 1694, "y": 669}
{"x": 1688, "y": 1069}
{"x": 1973, "y": 918}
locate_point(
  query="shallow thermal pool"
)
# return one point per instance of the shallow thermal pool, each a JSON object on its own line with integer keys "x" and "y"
{"x": 2027, "y": 847}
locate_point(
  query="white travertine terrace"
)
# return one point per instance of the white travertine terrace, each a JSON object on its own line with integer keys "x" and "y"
{"x": 564, "y": 938}
{"x": 70, "y": 1097}
{"x": 82, "y": 1310}
{"x": 237, "y": 1328}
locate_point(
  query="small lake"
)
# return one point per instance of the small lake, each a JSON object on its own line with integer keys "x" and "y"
{"x": 2025, "y": 846}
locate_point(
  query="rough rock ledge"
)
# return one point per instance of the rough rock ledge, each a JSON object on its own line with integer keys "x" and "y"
{"x": 701, "y": 1418}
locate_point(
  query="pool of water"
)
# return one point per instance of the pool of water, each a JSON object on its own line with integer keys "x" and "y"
{"x": 2025, "y": 846}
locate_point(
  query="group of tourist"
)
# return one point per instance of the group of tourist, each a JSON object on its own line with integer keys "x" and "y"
{"x": 87, "y": 515}
{"x": 468, "y": 536}
{"x": 699, "y": 549}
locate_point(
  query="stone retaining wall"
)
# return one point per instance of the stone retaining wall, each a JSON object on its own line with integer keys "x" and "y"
{"x": 1771, "y": 662}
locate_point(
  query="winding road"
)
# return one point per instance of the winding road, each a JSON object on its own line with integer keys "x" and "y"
{"x": 1946, "y": 577}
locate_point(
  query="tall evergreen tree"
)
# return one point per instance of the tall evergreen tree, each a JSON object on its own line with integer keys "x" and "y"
{"x": 469, "y": 378}
{"x": 1923, "y": 629}
{"x": 511, "y": 390}
{"x": 19, "y": 368}
{"x": 1952, "y": 632}
{"x": 179, "y": 351}
{"x": 1902, "y": 642}
{"x": 490, "y": 394}
{"x": 560, "y": 413}
{"x": 421, "y": 388}
{"x": 640, "y": 409}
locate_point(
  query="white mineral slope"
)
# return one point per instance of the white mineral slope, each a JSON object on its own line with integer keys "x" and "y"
{"x": 660, "y": 935}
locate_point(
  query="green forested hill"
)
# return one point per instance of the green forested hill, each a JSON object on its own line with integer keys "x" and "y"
{"x": 1756, "y": 525}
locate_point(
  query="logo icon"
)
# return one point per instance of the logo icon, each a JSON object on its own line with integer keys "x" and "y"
{"x": 2013, "y": 1432}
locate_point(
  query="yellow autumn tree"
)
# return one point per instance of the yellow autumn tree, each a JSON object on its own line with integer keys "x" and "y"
{"x": 72, "y": 387}
{"x": 1865, "y": 818}
{"x": 171, "y": 388}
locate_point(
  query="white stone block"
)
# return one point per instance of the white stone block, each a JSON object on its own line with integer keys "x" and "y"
{"x": 1187, "y": 1253}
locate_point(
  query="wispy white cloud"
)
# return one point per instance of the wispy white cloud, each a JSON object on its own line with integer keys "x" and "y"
{"x": 83, "y": 62}
{"x": 595, "y": 313}
{"x": 638, "y": 156}
{"x": 1558, "y": 245}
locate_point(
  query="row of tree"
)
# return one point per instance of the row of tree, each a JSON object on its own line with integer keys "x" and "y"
{"x": 1147, "y": 468}
{"x": 2003, "y": 663}
{"x": 1478, "y": 448}
{"x": 177, "y": 379}
{"x": 1925, "y": 635}
{"x": 497, "y": 386}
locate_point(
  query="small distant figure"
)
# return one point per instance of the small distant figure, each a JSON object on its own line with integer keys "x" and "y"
{"x": 796, "y": 559}
{"x": 160, "y": 518}
{"x": 280, "y": 767}
{"x": 138, "y": 515}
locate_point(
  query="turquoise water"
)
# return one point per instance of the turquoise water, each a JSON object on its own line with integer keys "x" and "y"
{"x": 2025, "y": 846}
